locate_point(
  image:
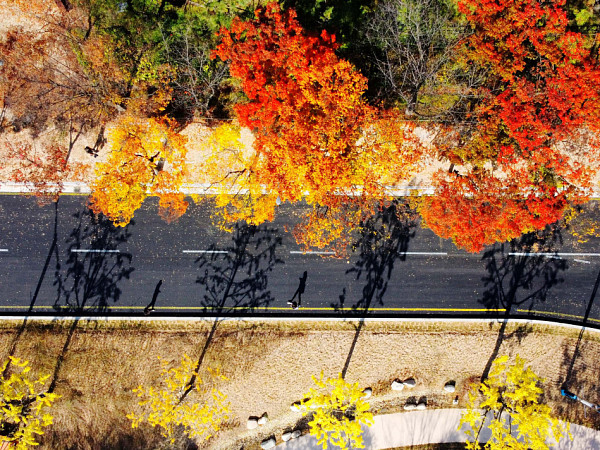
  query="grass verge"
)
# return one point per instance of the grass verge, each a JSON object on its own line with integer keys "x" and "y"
{"x": 269, "y": 366}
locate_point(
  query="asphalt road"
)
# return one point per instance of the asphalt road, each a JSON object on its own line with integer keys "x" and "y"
{"x": 60, "y": 259}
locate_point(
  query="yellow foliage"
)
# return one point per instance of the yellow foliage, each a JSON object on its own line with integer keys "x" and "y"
{"x": 24, "y": 404}
{"x": 510, "y": 397}
{"x": 339, "y": 410}
{"x": 147, "y": 158}
{"x": 581, "y": 223}
{"x": 199, "y": 417}
{"x": 239, "y": 196}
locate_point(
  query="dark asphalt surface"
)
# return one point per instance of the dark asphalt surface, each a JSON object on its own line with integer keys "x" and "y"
{"x": 44, "y": 270}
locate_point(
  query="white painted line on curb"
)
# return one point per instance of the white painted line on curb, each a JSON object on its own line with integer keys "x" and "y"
{"x": 582, "y": 261}
{"x": 294, "y": 252}
{"x": 556, "y": 255}
{"x": 86, "y": 250}
{"x": 205, "y": 251}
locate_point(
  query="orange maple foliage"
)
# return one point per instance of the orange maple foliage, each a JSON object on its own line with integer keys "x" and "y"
{"x": 316, "y": 138}
{"x": 147, "y": 158}
{"x": 548, "y": 83}
{"x": 479, "y": 209}
{"x": 43, "y": 170}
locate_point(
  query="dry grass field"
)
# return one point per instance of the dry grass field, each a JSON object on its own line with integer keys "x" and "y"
{"x": 269, "y": 366}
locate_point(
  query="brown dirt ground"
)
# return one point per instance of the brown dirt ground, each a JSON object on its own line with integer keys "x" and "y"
{"x": 269, "y": 366}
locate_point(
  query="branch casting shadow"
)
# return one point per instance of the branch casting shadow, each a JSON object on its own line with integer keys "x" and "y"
{"x": 519, "y": 281}
{"x": 383, "y": 239}
{"x": 238, "y": 279}
{"x": 91, "y": 280}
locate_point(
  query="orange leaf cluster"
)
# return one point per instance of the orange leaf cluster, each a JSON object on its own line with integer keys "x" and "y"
{"x": 316, "y": 138}
{"x": 44, "y": 170}
{"x": 549, "y": 81}
{"x": 480, "y": 209}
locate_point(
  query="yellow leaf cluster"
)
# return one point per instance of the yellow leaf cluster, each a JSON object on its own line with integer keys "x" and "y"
{"x": 24, "y": 404}
{"x": 232, "y": 167}
{"x": 510, "y": 398}
{"x": 147, "y": 158}
{"x": 164, "y": 407}
{"x": 338, "y": 410}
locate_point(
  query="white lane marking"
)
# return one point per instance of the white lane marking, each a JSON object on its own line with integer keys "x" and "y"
{"x": 425, "y": 253}
{"x": 205, "y": 251}
{"x": 3, "y": 249}
{"x": 85, "y": 250}
{"x": 294, "y": 252}
{"x": 582, "y": 261}
{"x": 556, "y": 255}
{"x": 403, "y": 253}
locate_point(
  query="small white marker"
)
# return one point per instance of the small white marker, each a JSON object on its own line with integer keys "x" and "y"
{"x": 205, "y": 251}
{"x": 3, "y": 249}
{"x": 86, "y": 250}
{"x": 582, "y": 261}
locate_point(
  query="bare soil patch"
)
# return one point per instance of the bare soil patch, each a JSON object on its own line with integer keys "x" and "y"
{"x": 269, "y": 366}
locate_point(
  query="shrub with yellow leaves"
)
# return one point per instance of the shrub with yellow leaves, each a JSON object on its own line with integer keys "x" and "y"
{"x": 170, "y": 407}
{"x": 510, "y": 399}
{"x": 24, "y": 404}
{"x": 339, "y": 409}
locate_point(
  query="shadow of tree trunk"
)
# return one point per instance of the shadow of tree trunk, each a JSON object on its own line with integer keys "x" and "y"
{"x": 53, "y": 250}
{"x": 236, "y": 279}
{"x": 95, "y": 266}
{"x": 384, "y": 238}
{"x": 519, "y": 280}
{"x": 577, "y": 345}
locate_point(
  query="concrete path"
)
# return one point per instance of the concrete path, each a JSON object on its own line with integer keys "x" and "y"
{"x": 435, "y": 426}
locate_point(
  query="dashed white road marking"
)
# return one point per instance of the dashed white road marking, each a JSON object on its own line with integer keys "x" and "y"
{"x": 205, "y": 251}
{"x": 93, "y": 250}
{"x": 295, "y": 252}
{"x": 425, "y": 253}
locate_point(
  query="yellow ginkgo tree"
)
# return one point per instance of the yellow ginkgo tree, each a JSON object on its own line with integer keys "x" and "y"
{"x": 508, "y": 402}
{"x": 232, "y": 169}
{"x": 200, "y": 414}
{"x": 338, "y": 410}
{"x": 24, "y": 404}
{"x": 147, "y": 158}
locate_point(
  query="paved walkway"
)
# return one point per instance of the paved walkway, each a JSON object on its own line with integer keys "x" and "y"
{"x": 434, "y": 426}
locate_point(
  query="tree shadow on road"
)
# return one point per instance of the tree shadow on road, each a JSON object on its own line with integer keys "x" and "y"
{"x": 53, "y": 250}
{"x": 90, "y": 283}
{"x": 383, "y": 240}
{"x": 518, "y": 279}
{"x": 577, "y": 377}
{"x": 235, "y": 278}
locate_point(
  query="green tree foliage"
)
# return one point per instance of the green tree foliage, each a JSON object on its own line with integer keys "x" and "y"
{"x": 338, "y": 410}
{"x": 201, "y": 413}
{"x": 24, "y": 404}
{"x": 510, "y": 399}
{"x": 160, "y": 44}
